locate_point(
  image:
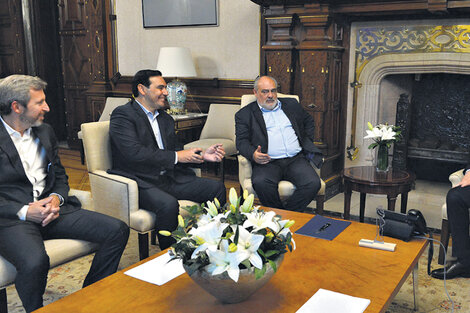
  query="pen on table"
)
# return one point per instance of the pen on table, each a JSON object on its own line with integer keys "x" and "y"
{"x": 323, "y": 228}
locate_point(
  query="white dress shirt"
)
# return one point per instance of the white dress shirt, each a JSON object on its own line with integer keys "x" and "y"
{"x": 33, "y": 158}
{"x": 156, "y": 129}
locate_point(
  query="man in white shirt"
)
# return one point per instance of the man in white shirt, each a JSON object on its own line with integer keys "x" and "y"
{"x": 34, "y": 202}
{"x": 145, "y": 148}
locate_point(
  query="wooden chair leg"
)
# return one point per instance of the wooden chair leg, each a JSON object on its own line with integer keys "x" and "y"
{"x": 445, "y": 233}
{"x": 143, "y": 246}
{"x": 3, "y": 301}
{"x": 82, "y": 155}
{"x": 320, "y": 203}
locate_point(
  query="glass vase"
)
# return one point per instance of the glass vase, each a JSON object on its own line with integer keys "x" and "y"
{"x": 382, "y": 158}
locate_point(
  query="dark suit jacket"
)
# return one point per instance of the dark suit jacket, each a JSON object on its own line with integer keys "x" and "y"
{"x": 251, "y": 130}
{"x": 15, "y": 188}
{"x": 135, "y": 151}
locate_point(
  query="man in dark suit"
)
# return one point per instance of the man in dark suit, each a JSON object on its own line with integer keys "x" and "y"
{"x": 277, "y": 136}
{"x": 144, "y": 148}
{"x": 458, "y": 204}
{"x": 34, "y": 205}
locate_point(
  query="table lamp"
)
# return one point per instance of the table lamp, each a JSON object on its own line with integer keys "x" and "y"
{"x": 176, "y": 62}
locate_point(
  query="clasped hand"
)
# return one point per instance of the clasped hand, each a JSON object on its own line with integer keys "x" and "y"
{"x": 214, "y": 153}
{"x": 43, "y": 211}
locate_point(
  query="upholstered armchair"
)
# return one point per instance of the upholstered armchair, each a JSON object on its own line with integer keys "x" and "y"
{"x": 286, "y": 188}
{"x": 115, "y": 195}
{"x": 109, "y": 106}
{"x": 60, "y": 251}
{"x": 219, "y": 128}
{"x": 454, "y": 179}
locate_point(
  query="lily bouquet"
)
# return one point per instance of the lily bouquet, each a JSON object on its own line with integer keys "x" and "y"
{"x": 232, "y": 237}
{"x": 383, "y": 134}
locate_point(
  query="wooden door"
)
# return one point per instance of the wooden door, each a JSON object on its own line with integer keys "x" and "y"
{"x": 12, "y": 46}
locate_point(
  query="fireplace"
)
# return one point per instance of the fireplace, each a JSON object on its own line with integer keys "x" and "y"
{"x": 391, "y": 63}
{"x": 434, "y": 125}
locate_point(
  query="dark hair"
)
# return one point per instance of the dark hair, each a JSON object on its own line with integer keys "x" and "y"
{"x": 142, "y": 77}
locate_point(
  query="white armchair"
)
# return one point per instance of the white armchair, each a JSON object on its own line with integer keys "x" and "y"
{"x": 454, "y": 179}
{"x": 60, "y": 251}
{"x": 109, "y": 106}
{"x": 219, "y": 128}
{"x": 115, "y": 195}
{"x": 286, "y": 188}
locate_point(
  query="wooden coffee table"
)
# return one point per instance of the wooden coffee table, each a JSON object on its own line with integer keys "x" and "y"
{"x": 365, "y": 179}
{"x": 339, "y": 265}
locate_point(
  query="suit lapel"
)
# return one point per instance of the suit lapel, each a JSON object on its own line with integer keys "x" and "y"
{"x": 144, "y": 119}
{"x": 163, "y": 129}
{"x": 259, "y": 117}
{"x": 44, "y": 140}
{"x": 7, "y": 145}
{"x": 286, "y": 108}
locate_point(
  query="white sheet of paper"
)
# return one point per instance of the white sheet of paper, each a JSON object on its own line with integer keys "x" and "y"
{"x": 326, "y": 301}
{"x": 157, "y": 271}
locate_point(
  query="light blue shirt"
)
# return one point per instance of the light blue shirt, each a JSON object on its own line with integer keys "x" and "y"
{"x": 156, "y": 129}
{"x": 282, "y": 140}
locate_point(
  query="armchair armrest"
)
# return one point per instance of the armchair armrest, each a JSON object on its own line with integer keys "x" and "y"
{"x": 456, "y": 177}
{"x": 244, "y": 168}
{"x": 114, "y": 195}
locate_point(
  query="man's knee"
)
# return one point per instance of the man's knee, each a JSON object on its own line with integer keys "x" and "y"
{"x": 36, "y": 265}
{"x": 455, "y": 197}
{"x": 260, "y": 182}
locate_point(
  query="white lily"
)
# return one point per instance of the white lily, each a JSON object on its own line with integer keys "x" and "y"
{"x": 260, "y": 220}
{"x": 211, "y": 208}
{"x": 374, "y": 133}
{"x": 222, "y": 260}
{"x": 388, "y": 133}
{"x": 247, "y": 204}
{"x": 207, "y": 236}
{"x": 248, "y": 245}
{"x": 233, "y": 198}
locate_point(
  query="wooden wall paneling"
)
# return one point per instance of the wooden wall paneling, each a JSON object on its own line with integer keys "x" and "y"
{"x": 280, "y": 65}
{"x": 12, "y": 45}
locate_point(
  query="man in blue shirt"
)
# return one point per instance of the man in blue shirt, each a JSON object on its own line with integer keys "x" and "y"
{"x": 276, "y": 135}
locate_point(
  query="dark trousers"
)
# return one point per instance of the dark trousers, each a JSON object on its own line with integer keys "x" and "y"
{"x": 22, "y": 245}
{"x": 163, "y": 200}
{"x": 458, "y": 204}
{"x": 298, "y": 171}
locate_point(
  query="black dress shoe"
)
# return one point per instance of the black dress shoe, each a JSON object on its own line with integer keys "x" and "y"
{"x": 454, "y": 270}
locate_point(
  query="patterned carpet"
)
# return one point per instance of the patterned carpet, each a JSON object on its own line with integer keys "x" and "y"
{"x": 68, "y": 278}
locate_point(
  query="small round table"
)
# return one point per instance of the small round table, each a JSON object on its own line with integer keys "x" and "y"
{"x": 366, "y": 179}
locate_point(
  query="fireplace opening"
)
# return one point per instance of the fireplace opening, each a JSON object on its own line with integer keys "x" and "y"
{"x": 434, "y": 114}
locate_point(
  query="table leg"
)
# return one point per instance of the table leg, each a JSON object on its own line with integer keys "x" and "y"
{"x": 391, "y": 202}
{"x": 415, "y": 287}
{"x": 362, "y": 207}
{"x": 404, "y": 202}
{"x": 347, "y": 200}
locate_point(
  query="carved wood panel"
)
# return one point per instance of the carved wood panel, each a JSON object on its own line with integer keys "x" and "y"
{"x": 81, "y": 33}
{"x": 280, "y": 66}
{"x": 12, "y": 46}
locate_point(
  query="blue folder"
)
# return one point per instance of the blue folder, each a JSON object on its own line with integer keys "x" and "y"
{"x": 323, "y": 227}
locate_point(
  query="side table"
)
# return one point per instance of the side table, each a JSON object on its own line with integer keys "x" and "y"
{"x": 366, "y": 179}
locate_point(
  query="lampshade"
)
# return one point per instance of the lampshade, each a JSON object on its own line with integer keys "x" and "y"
{"x": 176, "y": 62}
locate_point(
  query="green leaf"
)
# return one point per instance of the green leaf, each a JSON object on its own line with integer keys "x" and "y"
{"x": 270, "y": 253}
{"x": 237, "y": 234}
{"x": 273, "y": 265}
{"x": 373, "y": 145}
{"x": 260, "y": 272}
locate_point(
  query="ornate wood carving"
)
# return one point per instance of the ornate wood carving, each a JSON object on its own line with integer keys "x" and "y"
{"x": 12, "y": 46}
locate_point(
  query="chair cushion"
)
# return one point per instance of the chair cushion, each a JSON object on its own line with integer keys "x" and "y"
{"x": 59, "y": 251}
{"x": 229, "y": 145}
